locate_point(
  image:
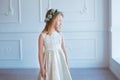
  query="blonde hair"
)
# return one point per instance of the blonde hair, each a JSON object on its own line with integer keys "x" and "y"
{"x": 52, "y": 21}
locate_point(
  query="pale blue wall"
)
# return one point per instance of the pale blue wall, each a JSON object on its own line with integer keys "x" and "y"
{"x": 85, "y": 27}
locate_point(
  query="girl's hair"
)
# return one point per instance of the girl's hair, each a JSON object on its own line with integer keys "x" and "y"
{"x": 52, "y": 20}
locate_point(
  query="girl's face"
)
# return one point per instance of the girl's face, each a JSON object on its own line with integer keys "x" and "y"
{"x": 59, "y": 22}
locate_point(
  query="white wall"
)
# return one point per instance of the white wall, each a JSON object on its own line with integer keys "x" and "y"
{"x": 115, "y": 67}
{"x": 85, "y": 27}
{"x": 115, "y": 29}
{"x": 115, "y": 39}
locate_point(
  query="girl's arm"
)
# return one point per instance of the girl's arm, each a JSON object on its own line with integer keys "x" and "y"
{"x": 40, "y": 52}
{"x": 64, "y": 50}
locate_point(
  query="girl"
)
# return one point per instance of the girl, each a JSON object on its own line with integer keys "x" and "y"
{"x": 51, "y": 51}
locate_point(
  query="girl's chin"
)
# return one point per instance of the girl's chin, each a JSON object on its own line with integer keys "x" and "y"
{"x": 58, "y": 30}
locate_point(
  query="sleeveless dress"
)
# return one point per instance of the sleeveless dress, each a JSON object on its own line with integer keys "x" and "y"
{"x": 54, "y": 58}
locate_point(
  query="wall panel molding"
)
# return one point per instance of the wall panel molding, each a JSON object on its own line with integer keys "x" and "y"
{"x": 82, "y": 49}
{"x": 84, "y": 27}
{"x": 10, "y": 49}
{"x": 40, "y": 11}
{"x": 84, "y": 10}
{"x": 10, "y": 11}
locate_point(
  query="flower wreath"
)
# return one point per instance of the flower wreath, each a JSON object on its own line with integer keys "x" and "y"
{"x": 51, "y": 14}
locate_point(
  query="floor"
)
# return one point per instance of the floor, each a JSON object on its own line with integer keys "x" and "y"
{"x": 77, "y": 74}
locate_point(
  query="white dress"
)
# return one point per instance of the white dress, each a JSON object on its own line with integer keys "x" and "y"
{"x": 54, "y": 58}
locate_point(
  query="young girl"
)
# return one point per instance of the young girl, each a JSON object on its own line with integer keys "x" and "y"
{"x": 51, "y": 51}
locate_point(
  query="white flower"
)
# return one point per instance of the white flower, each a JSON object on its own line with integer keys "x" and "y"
{"x": 50, "y": 15}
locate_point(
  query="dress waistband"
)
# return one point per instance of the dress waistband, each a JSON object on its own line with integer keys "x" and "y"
{"x": 52, "y": 48}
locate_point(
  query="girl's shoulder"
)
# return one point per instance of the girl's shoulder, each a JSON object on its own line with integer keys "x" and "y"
{"x": 43, "y": 34}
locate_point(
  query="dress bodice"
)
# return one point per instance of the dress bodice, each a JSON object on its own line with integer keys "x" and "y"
{"x": 54, "y": 58}
{"x": 52, "y": 41}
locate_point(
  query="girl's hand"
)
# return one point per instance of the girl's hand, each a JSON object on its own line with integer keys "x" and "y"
{"x": 43, "y": 73}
